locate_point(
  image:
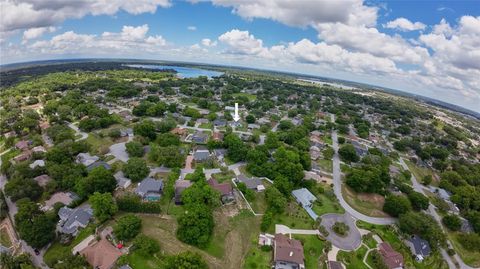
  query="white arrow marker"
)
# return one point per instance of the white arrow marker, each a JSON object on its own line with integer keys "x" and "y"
{"x": 236, "y": 117}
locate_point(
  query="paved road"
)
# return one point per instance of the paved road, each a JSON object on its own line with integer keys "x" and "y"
{"x": 119, "y": 151}
{"x": 432, "y": 212}
{"x": 352, "y": 240}
{"x": 337, "y": 188}
{"x": 12, "y": 210}
{"x": 77, "y": 131}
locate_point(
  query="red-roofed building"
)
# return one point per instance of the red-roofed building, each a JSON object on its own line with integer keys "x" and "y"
{"x": 225, "y": 189}
{"x": 391, "y": 258}
{"x": 217, "y": 136}
{"x": 288, "y": 253}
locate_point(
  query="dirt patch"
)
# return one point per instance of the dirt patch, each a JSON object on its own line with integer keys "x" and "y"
{"x": 370, "y": 204}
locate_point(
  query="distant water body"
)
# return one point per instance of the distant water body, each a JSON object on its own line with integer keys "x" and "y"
{"x": 182, "y": 72}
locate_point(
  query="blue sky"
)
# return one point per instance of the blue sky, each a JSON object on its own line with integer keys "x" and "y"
{"x": 430, "y": 48}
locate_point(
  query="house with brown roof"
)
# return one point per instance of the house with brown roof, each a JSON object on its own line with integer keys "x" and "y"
{"x": 288, "y": 253}
{"x": 22, "y": 145}
{"x": 391, "y": 258}
{"x": 225, "y": 189}
{"x": 179, "y": 131}
{"x": 27, "y": 154}
{"x": 101, "y": 255}
{"x": 217, "y": 136}
{"x": 42, "y": 180}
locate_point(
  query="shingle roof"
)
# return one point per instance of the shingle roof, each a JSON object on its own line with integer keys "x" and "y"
{"x": 73, "y": 218}
{"x": 304, "y": 196}
{"x": 223, "y": 188}
{"x": 149, "y": 185}
{"x": 392, "y": 258}
{"x": 201, "y": 155}
{"x": 251, "y": 183}
{"x": 102, "y": 255}
{"x": 420, "y": 245}
{"x": 288, "y": 250}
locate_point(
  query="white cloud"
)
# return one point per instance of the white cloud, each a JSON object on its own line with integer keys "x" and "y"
{"x": 243, "y": 43}
{"x": 34, "y": 33}
{"x": 26, "y": 14}
{"x": 403, "y": 24}
{"x": 304, "y": 12}
{"x": 192, "y": 28}
{"x": 207, "y": 42}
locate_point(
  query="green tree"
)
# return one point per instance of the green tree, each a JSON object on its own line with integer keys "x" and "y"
{"x": 395, "y": 205}
{"x": 127, "y": 227}
{"x": 134, "y": 149}
{"x": 275, "y": 199}
{"x": 145, "y": 128}
{"x": 201, "y": 193}
{"x": 236, "y": 149}
{"x": 418, "y": 200}
{"x": 423, "y": 225}
{"x": 136, "y": 169}
{"x": 453, "y": 222}
{"x": 33, "y": 226}
{"x": 328, "y": 153}
{"x": 250, "y": 118}
{"x": 103, "y": 205}
{"x": 348, "y": 154}
{"x": 167, "y": 139}
{"x": 185, "y": 260}
{"x": 195, "y": 225}
{"x": 145, "y": 245}
{"x": 18, "y": 188}
{"x": 98, "y": 180}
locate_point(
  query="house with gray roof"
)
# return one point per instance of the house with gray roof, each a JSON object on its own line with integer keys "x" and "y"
{"x": 122, "y": 181}
{"x": 420, "y": 248}
{"x": 98, "y": 164}
{"x": 150, "y": 189}
{"x": 306, "y": 199}
{"x": 200, "y": 138}
{"x": 220, "y": 122}
{"x": 71, "y": 220}
{"x": 86, "y": 159}
{"x": 251, "y": 183}
{"x": 201, "y": 155}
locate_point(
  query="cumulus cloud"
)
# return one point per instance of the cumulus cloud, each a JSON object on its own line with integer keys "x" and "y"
{"x": 304, "y": 12}
{"x": 243, "y": 43}
{"x": 34, "y": 33}
{"x": 191, "y": 28}
{"x": 403, "y": 24}
{"x": 131, "y": 39}
{"x": 207, "y": 42}
{"x": 26, "y": 14}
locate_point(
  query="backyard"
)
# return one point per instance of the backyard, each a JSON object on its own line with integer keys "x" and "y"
{"x": 368, "y": 204}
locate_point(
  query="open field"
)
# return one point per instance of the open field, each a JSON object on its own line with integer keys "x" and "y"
{"x": 471, "y": 258}
{"x": 354, "y": 259}
{"x": 258, "y": 259}
{"x": 312, "y": 249}
{"x": 420, "y": 172}
{"x": 326, "y": 165}
{"x": 368, "y": 204}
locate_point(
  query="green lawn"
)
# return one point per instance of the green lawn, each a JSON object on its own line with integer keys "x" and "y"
{"x": 326, "y": 205}
{"x": 5, "y": 239}
{"x": 58, "y": 250}
{"x": 471, "y": 258}
{"x": 98, "y": 144}
{"x": 259, "y": 205}
{"x": 312, "y": 249}
{"x": 293, "y": 217}
{"x": 137, "y": 261}
{"x": 368, "y": 204}
{"x": 370, "y": 242}
{"x": 224, "y": 176}
{"x": 257, "y": 258}
{"x": 419, "y": 172}
{"x": 353, "y": 259}
{"x": 251, "y": 97}
{"x": 325, "y": 165}
{"x": 206, "y": 125}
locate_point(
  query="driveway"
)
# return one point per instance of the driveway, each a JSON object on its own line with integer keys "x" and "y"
{"x": 282, "y": 229}
{"x": 78, "y": 132}
{"x": 351, "y": 241}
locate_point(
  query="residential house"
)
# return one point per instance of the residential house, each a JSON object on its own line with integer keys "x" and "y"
{"x": 235, "y": 124}
{"x": 360, "y": 149}
{"x": 39, "y": 149}
{"x": 335, "y": 265}
{"x": 66, "y": 198}
{"x": 315, "y": 153}
{"x": 71, "y": 220}
{"x": 219, "y": 154}
{"x": 253, "y": 126}
{"x": 25, "y": 155}
{"x": 306, "y": 199}
{"x": 42, "y": 180}
{"x": 391, "y": 258}
{"x": 202, "y": 121}
{"x": 37, "y": 163}
{"x": 150, "y": 189}
{"x": 288, "y": 253}
{"x": 44, "y": 125}
{"x": 263, "y": 120}
{"x": 98, "y": 164}
{"x": 86, "y": 159}
{"x": 126, "y": 115}
{"x": 22, "y": 145}
{"x": 101, "y": 255}
{"x": 394, "y": 171}
{"x": 217, "y": 136}
{"x": 225, "y": 189}
{"x": 10, "y": 134}
{"x": 180, "y": 186}
{"x": 251, "y": 183}
{"x": 201, "y": 155}
{"x": 200, "y": 138}
{"x": 265, "y": 239}
{"x": 220, "y": 122}
{"x": 122, "y": 181}
{"x": 419, "y": 247}
{"x": 182, "y": 132}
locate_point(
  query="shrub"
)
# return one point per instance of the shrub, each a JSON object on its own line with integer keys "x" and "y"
{"x": 133, "y": 203}
{"x": 340, "y": 228}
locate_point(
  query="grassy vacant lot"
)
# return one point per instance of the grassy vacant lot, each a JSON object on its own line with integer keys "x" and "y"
{"x": 251, "y": 97}
{"x": 471, "y": 258}
{"x": 224, "y": 176}
{"x": 259, "y": 205}
{"x": 136, "y": 260}
{"x": 368, "y": 204}
{"x": 232, "y": 238}
{"x": 98, "y": 145}
{"x": 388, "y": 234}
{"x": 419, "y": 172}
{"x": 353, "y": 259}
{"x": 325, "y": 165}
{"x": 206, "y": 125}
{"x": 5, "y": 239}
{"x": 58, "y": 250}
{"x": 312, "y": 249}
{"x": 258, "y": 259}
{"x": 294, "y": 217}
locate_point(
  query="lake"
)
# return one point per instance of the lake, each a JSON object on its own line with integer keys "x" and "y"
{"x": 182, "y": 72}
